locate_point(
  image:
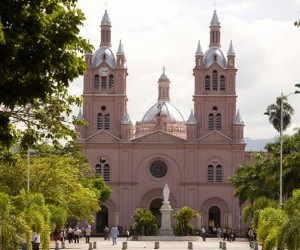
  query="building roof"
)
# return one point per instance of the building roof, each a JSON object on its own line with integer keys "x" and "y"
{"x": 214, "y": 55}
{"x": 99, "y": 57}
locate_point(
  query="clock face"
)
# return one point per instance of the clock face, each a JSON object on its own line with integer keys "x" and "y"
{"x": 104, "y": 71}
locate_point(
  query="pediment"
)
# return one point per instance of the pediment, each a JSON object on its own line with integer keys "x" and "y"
{"x": 102, "y": 136}
{"x": 159, "y": 136}
{"x": 215, "y": 137}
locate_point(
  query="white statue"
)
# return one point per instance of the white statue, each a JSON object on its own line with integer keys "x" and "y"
{"x": 166, "y": 193}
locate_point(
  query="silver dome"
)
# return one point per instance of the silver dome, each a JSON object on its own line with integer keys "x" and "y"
{"x": 165, "y": 108}
{"x": 214, "y": 55}
{"x": 109, "y": 57}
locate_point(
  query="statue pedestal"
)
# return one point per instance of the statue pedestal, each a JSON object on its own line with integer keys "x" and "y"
{"x": 166, "y": 212}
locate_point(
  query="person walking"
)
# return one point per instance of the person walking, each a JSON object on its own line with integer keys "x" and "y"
{"x": 88, "y": 232}
{"x": 114, "y": 233}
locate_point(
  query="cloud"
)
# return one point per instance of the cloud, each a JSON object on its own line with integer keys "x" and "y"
{"x": 165, "y": 33}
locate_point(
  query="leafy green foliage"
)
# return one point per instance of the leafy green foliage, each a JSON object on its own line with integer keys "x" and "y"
{"x": 184, "y": 217}
{"x": 290, "y": 230}
{"x": 62, "y": 186}
{"x": 144, "y": 222}
{"x": 270, "y": 221}
{"x": 41, "y": 53}
{"x": 252, "y": 210}
{"x": 260, "y": 178}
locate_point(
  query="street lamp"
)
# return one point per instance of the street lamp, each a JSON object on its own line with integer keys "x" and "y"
{"x": 281, "y": 141}
{"x": 28, "y": 169}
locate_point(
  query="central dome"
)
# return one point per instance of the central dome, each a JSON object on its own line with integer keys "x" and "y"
{"x": 163, "y": 108}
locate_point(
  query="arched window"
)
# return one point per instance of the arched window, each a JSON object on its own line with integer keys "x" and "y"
{"x": 107, "y": 121}
{"x": 103, "y": 82}
{"x": 219, "y": 173}
{"x": 210, "y": 173}
{"x": 218, "y": 122}
{"x": 222, "y": 83}
{"x": 111, "y": 81}
{"x": 103, "y": 168}
{"x": 211, "y": 121}
{"x": 215, "y": 80}
{"x": 207, "y": 82}
{"x": 96, "y": 81}
{"x": 99, "y": 121}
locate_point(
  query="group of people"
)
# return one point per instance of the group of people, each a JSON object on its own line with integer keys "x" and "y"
{"x": 227, "y": 233}
{"x": 74, "y": 234}
{"x": 114, "y": 233}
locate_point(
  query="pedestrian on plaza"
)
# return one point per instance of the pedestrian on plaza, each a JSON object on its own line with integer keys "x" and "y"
{"x": 203, "y": 233}
{"x": 88, "y": 231}
{"x": 77, "y": 232}
{"x": 35, "y": 241}
{"x": 114, "y": 233}
{"x": 106, "y": 233}
{"x": 70, "y": 234}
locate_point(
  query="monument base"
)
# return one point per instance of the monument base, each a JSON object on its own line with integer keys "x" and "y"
{"x": 166, "y": 232}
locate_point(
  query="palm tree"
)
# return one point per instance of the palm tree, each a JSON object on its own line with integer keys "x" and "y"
{"x": 290, "y": 230}
{"x": 144, "y": 222}
{"x": 184, "y": 217}
{"x": 274, "y": 113}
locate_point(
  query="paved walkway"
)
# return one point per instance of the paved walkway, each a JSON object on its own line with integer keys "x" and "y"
{"x": 209, "y": 244}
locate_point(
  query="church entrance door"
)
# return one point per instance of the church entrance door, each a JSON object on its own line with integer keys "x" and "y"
{"x": 214, "y": 219}
{"x": 101, "y": 219}
{"x": 155, "y": 205}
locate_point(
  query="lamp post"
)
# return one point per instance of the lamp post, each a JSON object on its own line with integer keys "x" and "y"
{"x": 28, "y": 169}
{"x": 281, "y": 142}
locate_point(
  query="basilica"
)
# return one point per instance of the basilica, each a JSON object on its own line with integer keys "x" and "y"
{"x": 194, "y": 157}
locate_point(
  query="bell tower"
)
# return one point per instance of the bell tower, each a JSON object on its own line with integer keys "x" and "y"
{"x": 104, "y": 91}
{"x": 214, "y": 96}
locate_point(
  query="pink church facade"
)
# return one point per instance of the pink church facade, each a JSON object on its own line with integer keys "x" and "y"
{"x": 194, "y": 157}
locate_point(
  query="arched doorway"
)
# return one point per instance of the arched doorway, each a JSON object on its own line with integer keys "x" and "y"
{"x": 155, "y": 205}
{"x": 214, "y": 218}
{"x": 101, "y": 219}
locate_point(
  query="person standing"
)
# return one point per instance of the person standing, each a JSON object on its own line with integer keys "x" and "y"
{"x": 114, "y": 233}
{"x": 37, "y": 241}
{"x": 77, "y": 234}
{"x": 88, "y": 232}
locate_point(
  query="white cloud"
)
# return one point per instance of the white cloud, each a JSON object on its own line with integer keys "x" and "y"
{"x": 165, "y": 33}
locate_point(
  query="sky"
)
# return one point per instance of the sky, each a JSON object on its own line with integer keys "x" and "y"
{"x": 165, "y": 33}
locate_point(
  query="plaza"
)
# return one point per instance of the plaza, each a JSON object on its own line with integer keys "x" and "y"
{"x": 210, "y": 243}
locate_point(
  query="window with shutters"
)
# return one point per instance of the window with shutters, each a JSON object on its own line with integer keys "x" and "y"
{"x": 210, "y": 173}
{"x": 207, "y": 83}
{"x": 215, "y": 80}
{"x": 96, "y": 82}
{"x": 222, "y": 83}
{"x": 219, "y": 173}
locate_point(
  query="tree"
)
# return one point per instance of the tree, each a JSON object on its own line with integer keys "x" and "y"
{"x": 144, "y": 222}
{"x": 10, "y": 224}
{"x": 270, "y": 221}
{"x": 274, "y": 113}
{"x": 251, "y": 179}
{"x": 41, "y": 55}
{"x": 63, "y": 177}
{"x": 252, "y": 210}
{"x": 184, "y": 217}
{"x": 289, "y": 235}
{"x": 35, "y": 216}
